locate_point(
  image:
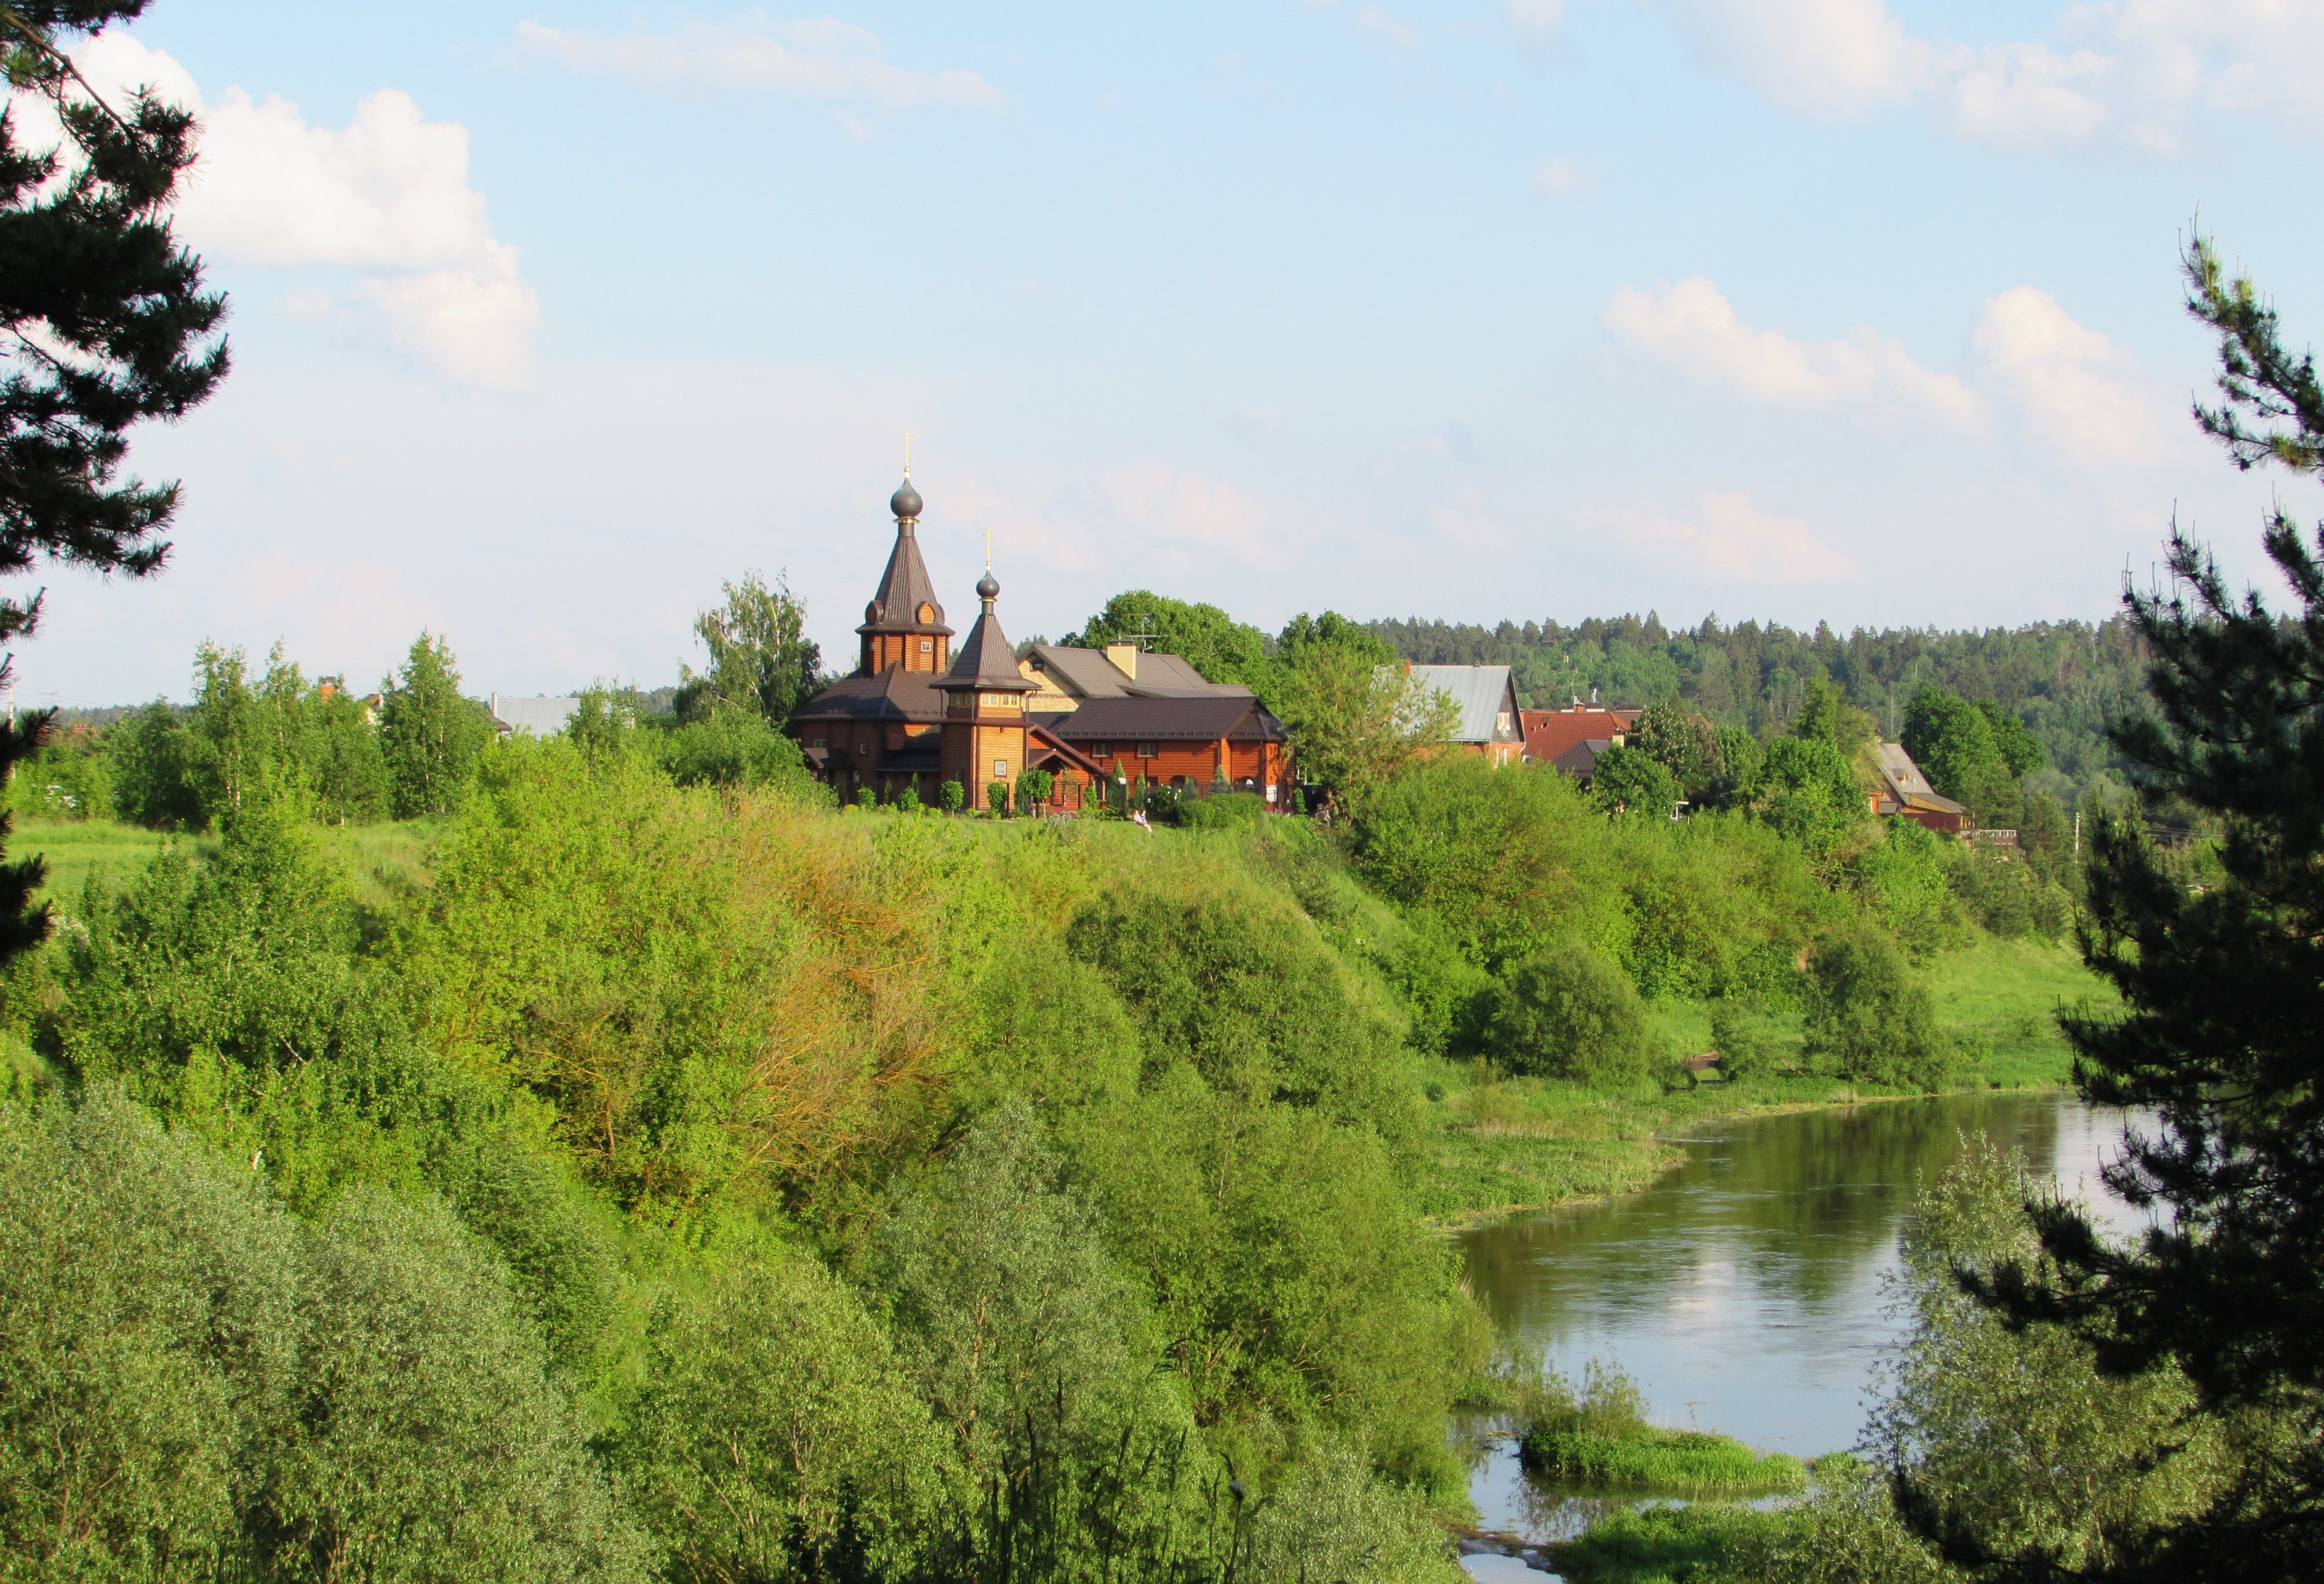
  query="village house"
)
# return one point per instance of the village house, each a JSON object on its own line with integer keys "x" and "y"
{"x": 1905, "y": 790}
{"x": 1572, "y": 738}
{"x": 1486, "y": 699}
{"x": 915, "y": 714}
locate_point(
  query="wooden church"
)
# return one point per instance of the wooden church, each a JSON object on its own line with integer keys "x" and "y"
{"x": 918, "y": 713}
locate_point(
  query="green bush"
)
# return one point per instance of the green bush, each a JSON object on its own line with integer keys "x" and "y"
{"x": 1869, "y": 1017}
{"x": 1221, "y": 810}
{"x": 731, "y": 747}
{"x": 1632, "y": 782}
{"x": 1749, "y": 1038}
{"x": 951, "y": 797}
{"x": 777, "y": 1435}
{"x": 1569, "y": 1013}
{"x": 996, "y": 798}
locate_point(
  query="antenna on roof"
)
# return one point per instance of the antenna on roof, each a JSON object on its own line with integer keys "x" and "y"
{"x": 1143, "y": 639}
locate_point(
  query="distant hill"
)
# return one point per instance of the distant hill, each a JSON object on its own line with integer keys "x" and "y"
{"x": 2066, "y": 680}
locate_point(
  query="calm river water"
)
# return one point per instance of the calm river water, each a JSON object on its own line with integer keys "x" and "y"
{"x": 1744, "y": 1290}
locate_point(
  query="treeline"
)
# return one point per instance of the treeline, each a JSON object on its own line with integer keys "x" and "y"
{"x": 2066, "y": 681}
{"x": 409, "y": 751}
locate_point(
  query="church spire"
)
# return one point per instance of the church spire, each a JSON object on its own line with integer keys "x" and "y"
{"x": 904, "y": 624}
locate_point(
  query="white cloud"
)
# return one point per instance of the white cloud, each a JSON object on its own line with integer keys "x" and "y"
{"x": 1559, "y": 176}
{"x": 1189, "y": 513}
{"x": 1818, "y": 57}
{"x": 1691, "y": 327}
{"x": 1727, "y": 539}
{"x": 2130, "y": 70}
{"x": 388, "y": 194}
{"x": 824, "y": 60}
{"x": 2019, "y": 95}
{"x": 2069, "y": 379}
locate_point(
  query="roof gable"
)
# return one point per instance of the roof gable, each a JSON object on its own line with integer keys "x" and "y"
{"x": 1482, "y": 693}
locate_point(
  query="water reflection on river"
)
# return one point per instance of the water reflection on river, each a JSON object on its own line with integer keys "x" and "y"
{"x": 1744, "y": 1290}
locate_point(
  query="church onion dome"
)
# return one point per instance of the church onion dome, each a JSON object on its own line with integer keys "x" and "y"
{"x": 906, "y": 600}
{"x": 986, "y": 661}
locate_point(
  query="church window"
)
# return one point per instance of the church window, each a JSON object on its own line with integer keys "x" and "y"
{"x": 863, "y": 748}
{"x": 999, "y": 769}
{"x": 928, "y": 646}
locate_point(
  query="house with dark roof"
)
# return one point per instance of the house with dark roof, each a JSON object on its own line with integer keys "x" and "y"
{"x": 1195, "y": 743}
{"x": 916, "y": 714}
{"x": 1066, "y": 675}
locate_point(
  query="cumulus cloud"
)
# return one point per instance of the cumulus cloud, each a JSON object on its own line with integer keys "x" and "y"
{"x": 1818, "y": 57}
{"x": 1727, "y": 539}
{"x": 1188, "y": 513}
{"x": 388, "y": 194}
{"x": 1691, "y": 327}
{"x": 2071, "y": 381}
{"x": 824, "y": 60}
{"x": 2130, "y": 70}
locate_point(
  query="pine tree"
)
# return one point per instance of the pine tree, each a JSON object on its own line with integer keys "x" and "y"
{"x": 2223, "y": 990}
{"x": 109, "y": 326}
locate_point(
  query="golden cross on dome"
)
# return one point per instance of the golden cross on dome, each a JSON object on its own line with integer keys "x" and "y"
{"x": 988, "y": 550}
{"x": 908, "y": 451}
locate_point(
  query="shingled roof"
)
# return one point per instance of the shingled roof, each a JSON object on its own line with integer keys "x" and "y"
{"x": 892, "y": 695}
{"x": 1090, "y": 673}
{"x": 905, "y": 587}
{"x": 1236, "y": 717}
{"x": 986, "y": 661}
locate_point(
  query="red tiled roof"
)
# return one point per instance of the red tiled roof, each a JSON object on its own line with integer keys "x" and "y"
{"x": 1548, "y": 734}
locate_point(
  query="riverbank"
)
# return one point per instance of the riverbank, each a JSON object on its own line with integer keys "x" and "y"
{"x": 1498, "y": 1146}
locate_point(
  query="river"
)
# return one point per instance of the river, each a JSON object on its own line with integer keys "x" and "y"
{"x": 1745, "y": 1291}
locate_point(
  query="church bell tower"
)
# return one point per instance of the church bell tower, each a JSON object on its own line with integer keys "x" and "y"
{"x": 904, "y": 626}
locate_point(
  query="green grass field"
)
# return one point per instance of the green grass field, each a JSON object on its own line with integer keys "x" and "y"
{"x": 379, "y": 860}
{"x": 75, "y": 848}
{"x": 2000, "y": 998}
{"x": 1496, "y": 1145}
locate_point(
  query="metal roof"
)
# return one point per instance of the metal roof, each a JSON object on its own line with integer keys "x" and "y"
{"x": 1907, "y": 784}
{"x": 535, "y": 717}
{"x": 1238, "y": 717}
{"x": 1090, "y": 673}
{"x": 1482, "y": 692}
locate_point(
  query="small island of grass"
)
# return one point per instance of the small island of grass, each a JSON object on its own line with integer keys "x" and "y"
{"x": 1599, "y": 1436}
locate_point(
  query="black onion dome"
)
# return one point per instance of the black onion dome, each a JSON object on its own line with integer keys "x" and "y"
{"x": 988, "y": 587}
{"x": 906, "y": 501}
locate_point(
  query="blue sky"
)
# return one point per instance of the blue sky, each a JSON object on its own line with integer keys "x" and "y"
{"x": 548, "y": 319}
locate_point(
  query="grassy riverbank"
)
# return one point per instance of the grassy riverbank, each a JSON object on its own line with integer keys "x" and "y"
{"x": 1499, "y": 1145}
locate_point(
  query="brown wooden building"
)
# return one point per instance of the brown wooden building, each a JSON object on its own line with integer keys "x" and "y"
{"x": 915, "y": 715}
